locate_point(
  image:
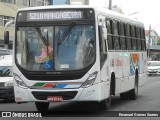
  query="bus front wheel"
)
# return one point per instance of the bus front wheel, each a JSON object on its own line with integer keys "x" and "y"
{"x": 124, "y": 96}
{"x": 105, "y": 104}
{"x": 42, "y": 106}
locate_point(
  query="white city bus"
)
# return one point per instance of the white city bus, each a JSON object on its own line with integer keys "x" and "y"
{"x": 77, "y": 53}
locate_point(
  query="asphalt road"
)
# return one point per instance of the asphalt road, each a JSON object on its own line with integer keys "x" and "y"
{"x": 148, "y": 100}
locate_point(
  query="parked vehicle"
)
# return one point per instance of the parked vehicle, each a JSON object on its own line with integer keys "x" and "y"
{"x": 4, "y": 52}
{"x": 153, "y": 68}
{"x": 6, "y": 78}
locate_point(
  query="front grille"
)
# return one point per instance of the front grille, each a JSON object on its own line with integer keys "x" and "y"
{"x": 2, "y": 84}
{"x": 67, "y": 95}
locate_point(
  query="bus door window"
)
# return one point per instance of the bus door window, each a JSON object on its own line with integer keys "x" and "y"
{"x": 102, "y": 45}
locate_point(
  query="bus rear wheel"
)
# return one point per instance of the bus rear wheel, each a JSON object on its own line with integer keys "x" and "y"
{"x": 124, "y": 96}
{"x": 42, "y": 106}
{"x": 133, "y": 94}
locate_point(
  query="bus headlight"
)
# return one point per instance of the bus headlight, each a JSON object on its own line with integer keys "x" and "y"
{"x": 9, "y": 83}
{"x": 20, "y": 82}
{"x": 90, "y": 80}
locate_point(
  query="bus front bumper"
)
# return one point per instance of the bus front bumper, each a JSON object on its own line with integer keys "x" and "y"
{"x": 91, "y": 93}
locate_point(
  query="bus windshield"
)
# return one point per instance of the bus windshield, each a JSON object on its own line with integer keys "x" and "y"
{"x": 38, "y": 48}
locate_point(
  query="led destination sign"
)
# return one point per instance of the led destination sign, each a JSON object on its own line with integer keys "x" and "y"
{"x": 54, "y": 15}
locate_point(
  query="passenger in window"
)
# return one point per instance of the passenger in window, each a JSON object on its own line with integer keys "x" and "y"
{"x": 46, "y": 50}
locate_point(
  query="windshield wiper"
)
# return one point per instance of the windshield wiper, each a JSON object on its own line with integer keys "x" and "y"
{"x": 6, "y": 72}
{"x": 44, "y": 40}
{"x": 65, "y": 34}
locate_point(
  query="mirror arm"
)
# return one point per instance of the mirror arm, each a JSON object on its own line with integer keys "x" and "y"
{"x": 8, "y": 23}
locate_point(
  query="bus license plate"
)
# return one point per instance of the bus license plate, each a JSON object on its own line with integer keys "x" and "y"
{"x": 54, "y": 98}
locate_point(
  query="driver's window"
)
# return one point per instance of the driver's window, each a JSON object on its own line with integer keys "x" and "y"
{"x": 102, "y": 41}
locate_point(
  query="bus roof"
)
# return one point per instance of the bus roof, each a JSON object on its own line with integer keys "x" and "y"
{"x": 100, "y": 10}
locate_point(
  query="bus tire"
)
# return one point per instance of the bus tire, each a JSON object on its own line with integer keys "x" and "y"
{"x": 42, "y": 106}
{"x": 133, "y": 94}
{"x": 105, "y": 104}
{"x": 124, "y": 96}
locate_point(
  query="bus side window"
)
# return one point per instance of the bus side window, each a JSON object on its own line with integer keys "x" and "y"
{"x": 109, "y": 35}
{"x": 143, "y": 39}
{"x": 122, "y": 36}
{"x": 144, "y": 45}
{"x": 116, "y": 37}
{"x": 138, "y": 38}
{"x": 128, "y": 38}
{"x": 134, "y": 41}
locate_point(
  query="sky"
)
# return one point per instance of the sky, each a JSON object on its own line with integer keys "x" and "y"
{"x": 146, "y": 11}
{"x": 59, "y": 2}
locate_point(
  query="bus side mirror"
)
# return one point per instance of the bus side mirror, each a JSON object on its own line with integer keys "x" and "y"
{"x": 104, "y": 33}
{"x": 6, "y": 37}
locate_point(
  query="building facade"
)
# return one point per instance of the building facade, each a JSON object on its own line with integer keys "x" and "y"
{"x": 153, "y": 37}
{"x": 8, "y": 9}
{"x": 152, "y": 47}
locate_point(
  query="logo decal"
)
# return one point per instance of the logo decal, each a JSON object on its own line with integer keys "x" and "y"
{"x": 48, "y": 65}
